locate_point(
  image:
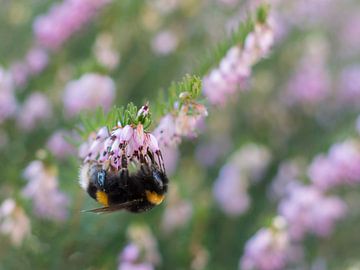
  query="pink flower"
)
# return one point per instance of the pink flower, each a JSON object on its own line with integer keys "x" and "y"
{"x": 307, "y": 210}
{"x": 37, "y": 59}
{"x": 286, "y": 178}
{"x": 178, "y": 212}
{"x": 231, "y": 187}
{"x": 173, "y": 127}
{"x": 8, "y": 103}
{"x": 208, "y": 153}
{"x": 63, "y": 20}
{"x": 310, "y": 83}
{"x": 235, "y": 68}
{"x": 105, "y": 51}
{"x": 14, "y": 222}
{"x": 171, "y": 158}
{"x": 341, "y": 166}
{"x": 350, "y": 33}
{"x": 349, "y": 86}
{"x": 166, "y": 133}
{"x": 88, "y": 93}
{"x": 268, "y": 249}
{"x": 164, "y": 43}
{"x": 58, "y": 145}
{"x": 141, "y": 253}
{"x": 230, "y": 190}
{"x": 122, "y": 146}
{"x": 36, "y": 109}
{"x": 252, "y": 160}
{"x": 20, "y": 73}
{"x": 42, "y": 188}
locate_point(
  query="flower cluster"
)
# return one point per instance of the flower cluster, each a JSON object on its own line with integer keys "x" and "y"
{"x": 269, "y": 249}
{"x": 230, "y": 188}
{"x": 88, "y": 92}
{"x": 183, "y": 123}
{"x": 289, "y": 171}
{"x": 63, "y": 20}
{"x": 59, "y": 146}
{"x": 35, "y": 61}
{"x": 8, "y": 103}
{"x": 42, "y": 188}
{"x": 141, "y": 253}
{"x": 14, "y": 222}
{"x": 307, "y": 210}
{"x": 235, "y": 68}
{"x": 310, "y": 83}
{"x": 340, "y": 166}
{"x": 124, "y": 145}
{"x": 177, "y": 213}
{"x": 164, "y": 42}
{"x": 36, "y": 109}
{"x": 105, "y": 51}
{"x": 348, "y": 89}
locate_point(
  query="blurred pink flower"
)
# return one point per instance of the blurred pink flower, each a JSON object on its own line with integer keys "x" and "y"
{"x": 14, "y": 222}
{"x": 268, "y": 249}
{"x": 89, "y": 92}
{"x": 129, "y": 259}
{"x": 286, "y": 177}
{"x": 164, "y": 43}
{"x": 208, "y": 153}
{"x": 341, "y": 166}
{"x": 141, "y": 253}
{"x": 171, "y": 157}
{"x": 37, "y": 59}
{"x": 246, "y": 164}
{"x": 307, "y": 210}
{"x": 178, "y": 212}
{"x": 176, "y": 215}
{"x": 173, "y": 127}
{"x": 36, "y": 109}
{"x": 105, "y": 51}
{"x": 58, "y": 145}
{"x": 20, "y": 73}
{"x": 350, "y": 33}
{"x": 8, "y": 103}
{"x": 235, "y": 68}
{"x": 42, "y": 188}
{"x": 230, "y": 190}
{"x": 310, "y": 83}
{"x": 349, "y": 86}
{"x": 252, "y": 160}
{"x": 63, "y": 20}
{"x": 165, "y": 132}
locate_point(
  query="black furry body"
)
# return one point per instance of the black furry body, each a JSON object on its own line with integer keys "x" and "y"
{"x": 136, "y": 192}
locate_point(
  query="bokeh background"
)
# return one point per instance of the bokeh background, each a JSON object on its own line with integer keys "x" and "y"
{"x": 281, "y": 157}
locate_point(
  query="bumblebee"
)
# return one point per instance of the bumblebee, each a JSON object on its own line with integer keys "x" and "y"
{"x": 134, "y": 192}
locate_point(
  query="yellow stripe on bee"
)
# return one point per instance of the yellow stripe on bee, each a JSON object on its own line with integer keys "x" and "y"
{"x": 153, "y": 197}
{"x": 102, "y": 198}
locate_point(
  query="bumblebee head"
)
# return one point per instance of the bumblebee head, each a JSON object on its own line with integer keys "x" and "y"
{"x": 92, "y": 178}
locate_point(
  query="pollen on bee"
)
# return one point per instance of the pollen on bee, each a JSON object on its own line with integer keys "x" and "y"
{"x": 102, "y": 198}
{"x": 153, "y": 197}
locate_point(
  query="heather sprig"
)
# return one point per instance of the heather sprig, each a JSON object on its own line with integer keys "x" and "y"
{"x": 122, "y": 116}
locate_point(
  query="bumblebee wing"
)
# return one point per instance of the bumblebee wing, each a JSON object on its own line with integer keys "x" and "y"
{"x": 112, "y": 208}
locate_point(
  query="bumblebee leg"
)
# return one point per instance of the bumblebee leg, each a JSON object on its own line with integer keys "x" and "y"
{"x": 124, "y": 173}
